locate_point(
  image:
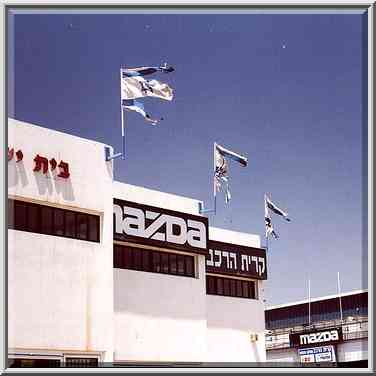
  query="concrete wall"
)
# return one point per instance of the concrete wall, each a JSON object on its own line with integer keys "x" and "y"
{"x": 60, "y": 290}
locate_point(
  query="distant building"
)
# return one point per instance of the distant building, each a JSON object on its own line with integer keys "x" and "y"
{"x": 326, "y": 339}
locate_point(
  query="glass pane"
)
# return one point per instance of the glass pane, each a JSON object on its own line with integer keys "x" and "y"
{"x": 70, "y": 224}
{"x": 117, "y": 258}
{"x": 146, "y": 265}
{"x": 10, "y": 213}
{"x": 252, "y": 293}
{"x": 58, "y": 222}
{"x": 232, "y": 287}
{"x": 82, "y": 226}
{"x": 164, "y": 262}
{"x": 156, "y": 262}
{"x": 33, "y": 220}
{"x": 226, "y": 287}
{"x": 126, "y": 257}
{"x": 245, "y": 289}
{"x": 189, "y": 265}
{"x": 137, "y": 258}
{"x": 46, "y": 220}
{"x": 180, "y": 264}
{"x": 93, "y": 228}
{"x": 173, "y": 263}
{"x": 239, "y": 289}
{"x": 210, "y": 285}
{"x": 219, "y": 286}
{"x": 20, "y": 215}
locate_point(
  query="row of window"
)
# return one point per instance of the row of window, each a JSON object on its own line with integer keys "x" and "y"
{"x": 27, "y": 216}
{"x": 230, "y": 287}
{"x": 153, "y": 261}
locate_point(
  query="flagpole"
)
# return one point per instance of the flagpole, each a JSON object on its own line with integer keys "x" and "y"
{"x": 214, "y": 182}
{"x": 339, "y": 295}
{"x": 122, "y": 119}
{"x": 309, "y": 302}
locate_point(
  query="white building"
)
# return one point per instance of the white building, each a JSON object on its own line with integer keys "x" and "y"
{"x": 101, "y": 271}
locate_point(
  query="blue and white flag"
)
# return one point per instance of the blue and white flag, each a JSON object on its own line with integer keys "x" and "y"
{"x": 269, "y": 230}
{"x": 144, "y": 71}
{"x": 221, "y": 178}
{"x": 230, "y": 154}
{"x": 276, "y": 210}
{"x": 132, "y": 105}
{"x": 137, "y": 87}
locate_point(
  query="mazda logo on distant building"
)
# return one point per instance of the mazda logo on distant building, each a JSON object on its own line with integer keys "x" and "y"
{"x": 319, "y": 337}
{"x": 331, "y": 335}
{"x": 159, "y": 226}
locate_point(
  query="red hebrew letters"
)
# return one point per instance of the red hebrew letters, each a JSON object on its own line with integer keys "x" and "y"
{"x": 64, "y": 170}
{"x": 10, "y": 154}
{"x": 53, "y": 163}
{"x": 41, "y": 162}
{"x": 19, "y": 155}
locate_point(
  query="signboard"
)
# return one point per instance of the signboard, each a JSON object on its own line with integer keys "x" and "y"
{"x": 237, "y": 260}
{"x": 150, "y": 225}
{"x": 322, "y": 337}
{"x": 317, "y": 354}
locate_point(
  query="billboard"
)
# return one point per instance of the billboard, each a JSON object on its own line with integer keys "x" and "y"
{"x": 236, "y": 260}
{"x": 321, "y": 337}
{"x": 317, "y": 354}
{"x": 150, "y": 225}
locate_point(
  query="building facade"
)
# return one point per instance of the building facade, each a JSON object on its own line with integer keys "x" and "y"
{"x": 102, "y": 271}
{"x": 316, "y": 333}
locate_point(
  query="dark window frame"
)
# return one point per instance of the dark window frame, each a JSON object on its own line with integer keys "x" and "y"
{"x": 228, "y": 287}
{"x": 12, "y": 220}
{"x": 154, "y": 263}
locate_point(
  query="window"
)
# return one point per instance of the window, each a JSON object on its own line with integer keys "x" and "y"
{"x": 181, "y": 264}
{"x": 27, "y": 216}
{"x": 59, "y": 222}
{"x": 46, "y": 220}
{"x": 81, "y": 362}
{"x": 153, "y": 261}
{"x": 156, "y": 262}
{"x": 230, "y": 287}
{"x": 70, "y": 224}
{"x": 82, "y": 226}
{"x": 20, "y": 215}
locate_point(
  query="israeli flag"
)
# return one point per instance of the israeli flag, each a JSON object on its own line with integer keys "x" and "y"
{"x": 269, "y": 230}
{"x": 132, "y": 105}
{"x": 138, "y": 87}
{"x": 221, "y": 177}
{"x": 144, "y": 71}
{"x": 232, "y": 155}
{"x": 275, "y": 209}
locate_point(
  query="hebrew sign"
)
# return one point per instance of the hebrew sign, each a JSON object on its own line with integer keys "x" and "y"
{"x": 233, "y": 259}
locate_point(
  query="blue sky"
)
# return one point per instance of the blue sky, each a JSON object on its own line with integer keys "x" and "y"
{"x": 285, "y": 90}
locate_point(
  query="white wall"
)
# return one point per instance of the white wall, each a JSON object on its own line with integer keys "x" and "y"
{"x": 352, "y": 350}
{"x": 60, "y": 290}
{"x": 159, "y": 317}
{"x": 283, "y": 355}
{"x": 231, "y": 320}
